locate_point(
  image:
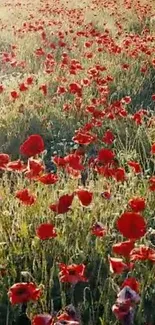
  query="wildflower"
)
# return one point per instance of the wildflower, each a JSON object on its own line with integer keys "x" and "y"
{"x": 23, "y": 292}
{"x": 34, "y": 145}
{"x": 63, "y": 205}
{"x": 72, "y": 273}
{"x": 137, "y": 204}
{"x": 84, "y": 196}
{"x": 131, "y": 225}
{"x": 26, "y": 197}
{"x": 98, "y": 229}
{"x": 46, "y": 231}
{"x": 48, "y": 179}
{"x": 123, "y": 248}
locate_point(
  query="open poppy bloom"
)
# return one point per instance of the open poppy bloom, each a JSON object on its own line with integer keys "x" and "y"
{"x": 26, "y": 197}
{"x": 135, "y": 166}
{"x": 46, "y": 231}
{"x": 16, "y": 165}
{"x": 34, "y": 145}
{"x": 105, "y": 155}
{"x": 123, "y": 307}
{"x": 68, "y": 316}
{"x": 119, "y": 174}
{"x": 23, "y": 292}
{"x": 123, "y": 248}
{"x": 108, "y": 137}
{"x": 131, "y": 225}
{"x": 106, "y": 195}
{"x": 42, "y": 319}
{"x": 152, "y": 184}
{"x": 84, "y": 138}
{"x": 34, "y": 169}
{"x": 14, "y": 94}
{"x": 98, "y": 229}
{"x": 117, "y": 265}
{"x": 74, "y": 161}
{"x": 59, "y": 161}
{"x": 84, "y": 196}
{"x": 72, "y": 273}
{"x": 23, "y": 87}
{"x": 63, "y": 205}
{"x": 153, "y": 149}
{"x": 48, "y": 179}
{"x": 4, "y": 160}
{"x": 142, "y": 253}
{"x": 132, "y": 283}
{"x": 137, "y": 204}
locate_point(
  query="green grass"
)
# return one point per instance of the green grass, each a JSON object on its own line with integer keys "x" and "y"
{"x": 33, "y": 113}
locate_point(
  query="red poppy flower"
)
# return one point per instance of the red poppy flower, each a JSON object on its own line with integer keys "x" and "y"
{"x": 63, "y": 205}
{"x": 23, "y": 87}
{"x": 72, "y": 273}
{"x": 74, "y": 161}
{"x": 34, "y": 145}
{"x": 34, "y": 169}
{"x": 1, "y": 89}
{"x": 153, "y": 97}
{"x": 46, "y": 231}
{"x": 42, "y": 319}
{"x": 43, "y": 88}
{"x": 105, "y": 155}
{"x": 98, "y": 229}
{"x": 39, "y": 52}
{"x": 84, "y": 196}
{"x": 75, "y": 88}
{"x": 59, "y": 161}
{"x": 73, "y": 172}
{"x": 123, "y": 248}
{"x": 108, "y": 137}
{"x": 48, "y": 179}
{"x": 4, "y": 160}
{"x": 106, "y": 195}
{"x": 126, "y": 100}
{"x": 14, "y": 94}
{"x": 117, "y": 265}
{"x": 153, "y": 149}
{"x": 137, "y": 204}
{"x": 136, "y": 166}
{"x": 26, "y": 197}
{"x": 105, "y": 171}
{"x": 132, "y": 283}
{"x": 23, "y": 292}
{"x": 84, "y": 138}
{"x": 142, "y": 253}
{"x": 16, "y": 165}
{"x": 131, "y": 225}
{"x": 29, "y": 80}
{"x": 119, "y": 174}
{"x": 152, "y": 184}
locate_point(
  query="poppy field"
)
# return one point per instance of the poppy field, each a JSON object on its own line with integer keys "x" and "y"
{"x": 77, "y": 162}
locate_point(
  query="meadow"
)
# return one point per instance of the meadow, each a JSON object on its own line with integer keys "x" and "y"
{"x": 77, "y": 162}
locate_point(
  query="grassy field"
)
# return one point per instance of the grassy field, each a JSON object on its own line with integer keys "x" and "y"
{"x": 77, "y": 162}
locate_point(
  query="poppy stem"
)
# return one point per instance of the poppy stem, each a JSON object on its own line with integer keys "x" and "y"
{"x": 23, "y": 319}
{"x": 72, "y": 293}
